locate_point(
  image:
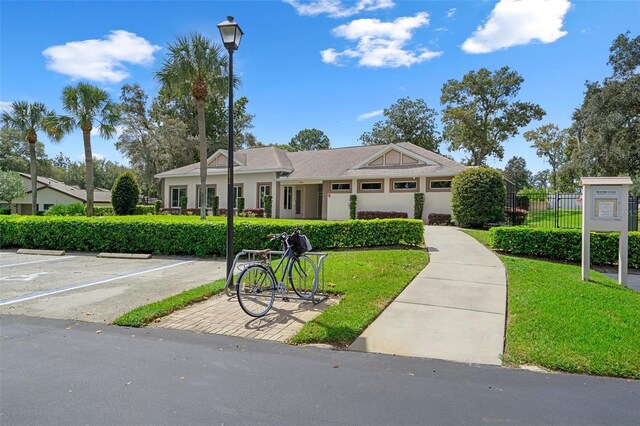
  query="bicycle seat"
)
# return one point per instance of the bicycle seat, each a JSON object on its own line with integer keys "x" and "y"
{"x": 263, "y": 252}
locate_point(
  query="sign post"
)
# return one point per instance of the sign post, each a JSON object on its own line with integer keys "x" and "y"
{"x": 605, "y": 208}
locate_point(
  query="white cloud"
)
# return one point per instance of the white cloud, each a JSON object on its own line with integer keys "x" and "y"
{"x": 336, "y": 8}
{"x": 451, "y": 12}
{"x": 371, "y": 114}
{"x": 5, "y": 106}
{"x": 101, "y": 60}
{"x": 518, "y": 22}
{"x": 381, "y": 44}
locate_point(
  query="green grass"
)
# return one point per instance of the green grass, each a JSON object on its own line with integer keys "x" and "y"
{"x": 143, "y": 315}
{"x": 547, "y": 218}
{"x": 368, "y": 281}
{"x": 557, "y": 321}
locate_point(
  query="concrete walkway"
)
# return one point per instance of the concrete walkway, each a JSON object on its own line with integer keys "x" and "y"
{"x": 453, "y": 310}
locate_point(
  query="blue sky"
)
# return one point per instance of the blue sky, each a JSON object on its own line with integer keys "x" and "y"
{"x": 329, "y": 64}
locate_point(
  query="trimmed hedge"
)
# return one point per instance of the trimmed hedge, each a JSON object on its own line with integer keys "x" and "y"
{"x": 478, "y": 196}
{"x": 79, "y": 209}
{"x": 563, "y": 244}
{"x": 368, "y": 215}
{"x": 439, "y": 219}
{"x": 171, "y": 235}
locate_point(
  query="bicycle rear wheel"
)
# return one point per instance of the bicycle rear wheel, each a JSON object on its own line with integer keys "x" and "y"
{"x": 302, "y": 277}
{"x": 256, "y": 290}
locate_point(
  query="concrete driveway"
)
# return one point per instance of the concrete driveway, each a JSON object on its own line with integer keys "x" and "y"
{"x": 84, "y": 287}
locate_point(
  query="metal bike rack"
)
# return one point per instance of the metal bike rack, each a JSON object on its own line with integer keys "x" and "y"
{"x": 247, "y": 257}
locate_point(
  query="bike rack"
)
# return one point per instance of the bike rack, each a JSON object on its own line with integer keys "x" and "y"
{"x": 246, "y": 257}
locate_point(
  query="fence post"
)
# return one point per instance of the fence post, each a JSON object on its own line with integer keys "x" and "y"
{"x": 557, "y": 209}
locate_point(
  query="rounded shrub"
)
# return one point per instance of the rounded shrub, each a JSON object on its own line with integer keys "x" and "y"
{"x": 125, "y": 194}
{"x": 478, "y": 197}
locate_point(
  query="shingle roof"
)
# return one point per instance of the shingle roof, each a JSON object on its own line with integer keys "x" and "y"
{"x": 100, "y": 195}
{"x": 323, "y": 164}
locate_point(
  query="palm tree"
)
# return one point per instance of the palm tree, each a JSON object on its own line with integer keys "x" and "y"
{"x": 87, "y": 104}
{"x": 195, "y": 66}
{"x": 28, "y": 119}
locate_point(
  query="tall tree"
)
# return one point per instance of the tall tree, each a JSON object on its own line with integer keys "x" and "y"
{"x": 481, "y": 113}
{"x": 195, "y": 66}
{"x": 551, "y": 144}
{"x": 86, "y": 106}
{"x": 607, "y": 124}
{"x": 406, "y": 121}
{"x": 310, "y": 140}
{"x": 28, "y": 119}
{"x": 541, "y": 179}
{"x": 516, "y": 171}
{"x": 11, "y": 186}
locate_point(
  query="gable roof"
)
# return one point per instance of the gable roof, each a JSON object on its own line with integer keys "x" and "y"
{"x": 100, "y": 195}
{"x": 334, "y": 163}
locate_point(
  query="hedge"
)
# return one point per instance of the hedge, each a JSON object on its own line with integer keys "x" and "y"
{"x": 563, "y": 244}
{"x": 79, "y": 209}
{"x": 368, "y": 215}
{"x": 173, "y": 235}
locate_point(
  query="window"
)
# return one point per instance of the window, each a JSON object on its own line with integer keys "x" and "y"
{"x": 340, "y": 187}
{"x": 211, "y": 193}
{"x": 263, "y": 189}
{"x": 440, "y": 184}
{"x": 237, "y": 193}
{"x": 288, "y": 197}
{"x": 370, "y": 186}
{"x": 177, "y": 192}
{"x": 405, "y": 185}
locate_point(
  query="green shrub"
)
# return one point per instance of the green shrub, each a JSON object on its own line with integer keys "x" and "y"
{"x": 76, "y": 209}
{"x": 215, "y": 205}
{"x": 522, "y": 202}
{"x": 125, "y": 194}
{"x": 141, "y": 209}
{"x": 157, "y": 206}
{"x": 240, "y": 205}
{"x": 478, "y": 197}
{"x": 353, "y": 202}
{"x": 5, "y": 210}
{"x": 268, "y": 204}
{"x": 183, "y": 205}
{"x": 418, "y": 205}
{"x": 563, "y": 244}
{"x": 179, "y": 235}
{"x": 535, "y": 193}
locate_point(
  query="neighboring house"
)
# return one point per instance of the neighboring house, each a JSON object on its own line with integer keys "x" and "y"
{"x": 317, "y": 184}
{"x": 51, "y": 192}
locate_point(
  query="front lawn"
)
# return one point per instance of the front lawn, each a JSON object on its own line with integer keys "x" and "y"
{"x": 557, "y": 321}
{"x": 366, "y": 280}
{"x": 562, "y": 218}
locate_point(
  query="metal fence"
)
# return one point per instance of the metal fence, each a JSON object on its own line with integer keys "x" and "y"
{"x": 554, "y": 210}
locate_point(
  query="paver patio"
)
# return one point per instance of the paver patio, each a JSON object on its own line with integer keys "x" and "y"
{"x": 222, "y": 314}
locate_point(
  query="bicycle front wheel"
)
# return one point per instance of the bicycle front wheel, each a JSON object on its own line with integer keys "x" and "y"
{"x": 302, "y": 277}
{"x": 256, "y": 290}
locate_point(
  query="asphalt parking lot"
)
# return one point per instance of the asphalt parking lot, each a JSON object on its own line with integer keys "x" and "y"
{"x": 84, "y": 287}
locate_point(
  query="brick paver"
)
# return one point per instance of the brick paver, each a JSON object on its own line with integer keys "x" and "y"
{"x": 222, "y": 315}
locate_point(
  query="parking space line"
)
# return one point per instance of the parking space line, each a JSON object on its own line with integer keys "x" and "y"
{"x": 37, "y": 295}
{"x": 37, "y": 261}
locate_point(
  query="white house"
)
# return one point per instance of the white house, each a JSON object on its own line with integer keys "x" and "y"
{"x": 51, "y": 192}
{"x": 317, "y": 184}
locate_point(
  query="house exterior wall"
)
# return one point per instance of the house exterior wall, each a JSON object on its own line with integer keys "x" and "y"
{"x": 337, "y": 203}
{"x": 249, "y": 183}
{"x": 46, "y": 196}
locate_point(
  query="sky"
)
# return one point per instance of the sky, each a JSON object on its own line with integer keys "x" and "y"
{"x": 327, "y": 64}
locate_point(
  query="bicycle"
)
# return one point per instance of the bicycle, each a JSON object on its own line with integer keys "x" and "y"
{"x": 257, "y": 283}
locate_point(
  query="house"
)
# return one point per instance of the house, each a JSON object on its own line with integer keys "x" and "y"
{"x": 318, "y": 184}
{"x": 51, "y": 192}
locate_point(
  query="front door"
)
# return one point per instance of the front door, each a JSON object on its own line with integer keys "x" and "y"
{"x": 298, "y": 203}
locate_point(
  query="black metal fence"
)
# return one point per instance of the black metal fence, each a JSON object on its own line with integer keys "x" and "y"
{"x": 554, "y": 210}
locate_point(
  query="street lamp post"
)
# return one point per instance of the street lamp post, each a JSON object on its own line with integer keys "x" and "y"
{"x": 231, "y": 34}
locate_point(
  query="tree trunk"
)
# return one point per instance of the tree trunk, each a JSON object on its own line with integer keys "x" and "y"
{"x": 88, "y": 159}
{"x": 202, "y": 137}
{"x": 34, "y": 178}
